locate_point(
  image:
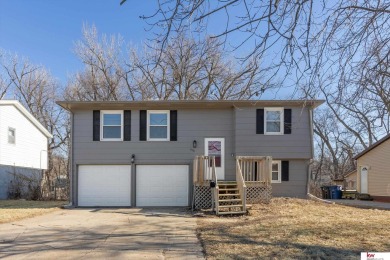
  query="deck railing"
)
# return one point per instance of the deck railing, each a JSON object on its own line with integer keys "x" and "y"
{"x": 255, "y": 168}
{"x": 204, "y": 167}
{"x": 214, "y": 179}
{"x": 241, "y": 184}
{"x": 250, "y": 170}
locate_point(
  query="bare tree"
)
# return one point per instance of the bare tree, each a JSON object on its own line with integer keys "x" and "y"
{"x": 5, "y": 82}
{"x": 190, "y": 69}
{"x": 102, "y": 75}
{"x": 284, "y": 27}
{"x": 334, "y": 153}
{"x": 186, "y": 69}
{"x": 294, "y": 40}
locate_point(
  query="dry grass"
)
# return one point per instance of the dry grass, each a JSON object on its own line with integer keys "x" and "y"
{"x": 293, "y": 228}
{"x": 13, "y": 210}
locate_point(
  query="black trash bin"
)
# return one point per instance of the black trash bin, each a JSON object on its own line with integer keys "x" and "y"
{"x": 325, "y": 192}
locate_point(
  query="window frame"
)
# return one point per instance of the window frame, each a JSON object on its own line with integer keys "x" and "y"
{"x": 167, "y": 112}
{"x": 105, "y": 112}
{"x": 272, "y": 109}
{"x": 279, "y": 180}
{"x": 9, "y": 136}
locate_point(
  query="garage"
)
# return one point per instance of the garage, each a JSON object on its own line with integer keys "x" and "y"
{"x": 104, "y": 185}
{"x": 162, "y": 185}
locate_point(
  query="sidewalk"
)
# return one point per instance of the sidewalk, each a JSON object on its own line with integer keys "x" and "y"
{"x": 363, "y": 204}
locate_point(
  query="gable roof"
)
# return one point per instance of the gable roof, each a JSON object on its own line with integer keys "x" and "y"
{"x": 27, "y": 114}
{"x": 381, "y": 141}
{"x": 161, "y": 104}
{"x": 350, "y": 173}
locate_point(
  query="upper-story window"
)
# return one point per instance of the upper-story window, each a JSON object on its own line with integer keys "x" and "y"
{"x": 111, "y": 127}
{"x": 11, "y": 135}
{"x": 158, "y": 125}
{"x": 276, "y": 172}
{"x": 273, "y": 121}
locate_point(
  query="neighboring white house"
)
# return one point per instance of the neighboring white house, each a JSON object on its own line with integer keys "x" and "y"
{"x": 23, "y": 143}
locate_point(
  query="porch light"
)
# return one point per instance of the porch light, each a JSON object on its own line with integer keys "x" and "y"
{"x": 194, "y": 144}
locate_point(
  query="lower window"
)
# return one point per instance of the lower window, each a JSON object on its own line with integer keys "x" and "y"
{"x": 276, "y": 172}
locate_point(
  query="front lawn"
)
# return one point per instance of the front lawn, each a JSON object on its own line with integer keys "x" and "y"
{"x": 13, "y": 210}
{"x": 294, "y": 228}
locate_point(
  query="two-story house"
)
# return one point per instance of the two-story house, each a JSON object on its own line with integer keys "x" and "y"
{"x": 141, "y": 153}
{"x": 23, "y": 146}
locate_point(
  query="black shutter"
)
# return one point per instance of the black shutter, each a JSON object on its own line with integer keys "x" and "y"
{"x": 285, "y": 170}
{"x": 287, "y": 121}
{"x": 127, "y": 125}
{"x": 259, "y": 121}
{"x": 142, "y": 125}
{"x": 173, "y": 125}
{"x": 96, "y": 125}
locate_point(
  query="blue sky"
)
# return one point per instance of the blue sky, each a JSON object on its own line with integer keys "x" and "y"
{"x": 45, "y": 31}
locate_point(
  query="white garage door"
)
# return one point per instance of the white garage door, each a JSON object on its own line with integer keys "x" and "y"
{"x": 162, "y": 185}
{"x": 104, "y": 185}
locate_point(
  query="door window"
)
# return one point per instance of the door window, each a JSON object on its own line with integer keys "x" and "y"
{"x": 214, "y": 149}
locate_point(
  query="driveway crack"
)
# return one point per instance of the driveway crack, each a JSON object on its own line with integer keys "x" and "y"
{"x": 99, "y": 244}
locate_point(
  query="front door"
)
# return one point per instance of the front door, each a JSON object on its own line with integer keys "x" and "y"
{"x": 364, "y": 179}
{"x": 216, "y": 147}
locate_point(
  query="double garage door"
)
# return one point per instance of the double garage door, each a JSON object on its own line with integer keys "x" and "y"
{"x": 110, "y": 185}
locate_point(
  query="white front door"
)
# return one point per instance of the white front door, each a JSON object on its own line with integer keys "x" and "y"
{"x": 216, "y": 147}
{"x": 363, "y": 179}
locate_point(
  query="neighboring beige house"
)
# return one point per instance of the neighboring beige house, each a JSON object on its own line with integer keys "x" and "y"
{"x": 373, "y": 170}
{"x": 350, "y": 180}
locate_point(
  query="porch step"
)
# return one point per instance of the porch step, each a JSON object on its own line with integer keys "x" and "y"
{"x": 230, "y": 200}
{"x": 231, "y": 213}
{"x": 229, "y": 194}
{"x": 227, "y": 185}
{"x": 232, "y": 189}
{"x": 230, "y": 206}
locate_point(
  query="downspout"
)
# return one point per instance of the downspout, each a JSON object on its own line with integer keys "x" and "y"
{"x": 312, "y": 150}
{"x": 70, "y": 162}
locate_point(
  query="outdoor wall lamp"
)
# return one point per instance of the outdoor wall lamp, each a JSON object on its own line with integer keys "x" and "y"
{"x": 194, "y": 144}
{"x": 132, "y": 158}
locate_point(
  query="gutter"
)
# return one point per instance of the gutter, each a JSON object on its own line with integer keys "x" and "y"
{"x": 70, "y": 157}
{"x": 312, "y": 151}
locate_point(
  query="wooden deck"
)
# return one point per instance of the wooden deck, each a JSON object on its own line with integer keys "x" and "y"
{"x": 252, "y": 176}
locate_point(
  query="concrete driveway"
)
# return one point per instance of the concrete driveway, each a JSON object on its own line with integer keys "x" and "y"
{"x": 103, "y": 233}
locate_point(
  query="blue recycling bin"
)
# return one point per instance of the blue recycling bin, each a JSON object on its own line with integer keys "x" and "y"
{"x": 335, "y": 192}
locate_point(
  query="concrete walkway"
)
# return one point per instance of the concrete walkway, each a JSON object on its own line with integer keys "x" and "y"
{"x": 103, "y": 233}
{"x": 364, "y": 204}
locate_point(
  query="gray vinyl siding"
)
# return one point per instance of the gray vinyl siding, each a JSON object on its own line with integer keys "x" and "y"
{"x": 236, "y": 125}
{"x": 297, "y": 184}
{"x": 191, "y": 125}
{"x": 296, "y": 145}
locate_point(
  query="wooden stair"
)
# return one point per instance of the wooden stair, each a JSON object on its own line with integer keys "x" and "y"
{"x": 229, "y": 199}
